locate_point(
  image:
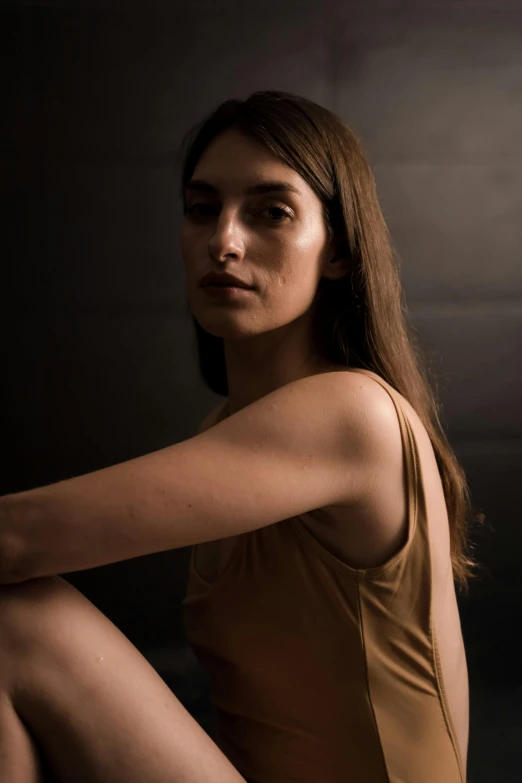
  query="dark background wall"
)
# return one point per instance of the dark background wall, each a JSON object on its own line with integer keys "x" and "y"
{"x": 99, "y": 354}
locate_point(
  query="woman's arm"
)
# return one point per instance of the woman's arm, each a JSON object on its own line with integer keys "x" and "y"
{"x": 308, "y": 444}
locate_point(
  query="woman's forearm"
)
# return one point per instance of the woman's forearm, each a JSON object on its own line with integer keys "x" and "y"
{"x": 116, "y": 513}
{"x": 61, "y": 527}
{"x": 17, "y": 512}
{"x": 54, "y": 529}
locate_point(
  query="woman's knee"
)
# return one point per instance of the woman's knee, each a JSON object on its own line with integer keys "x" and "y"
{"x": 39, "y": 622}
{"x": 27, "y": 610}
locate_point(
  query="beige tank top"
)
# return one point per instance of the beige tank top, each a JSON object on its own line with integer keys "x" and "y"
{"x": 323, "y": 672}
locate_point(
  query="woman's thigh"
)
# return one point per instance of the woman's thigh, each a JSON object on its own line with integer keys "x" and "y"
{"x": 96, "y": 706}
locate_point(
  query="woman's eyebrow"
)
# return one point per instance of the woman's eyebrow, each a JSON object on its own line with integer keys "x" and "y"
{"x": 260, "y": 187}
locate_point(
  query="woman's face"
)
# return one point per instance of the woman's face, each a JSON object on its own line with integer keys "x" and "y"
{"x": 276, "y": 241}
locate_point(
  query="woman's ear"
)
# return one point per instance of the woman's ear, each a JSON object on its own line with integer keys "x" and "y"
{"x": 336, "y": 268}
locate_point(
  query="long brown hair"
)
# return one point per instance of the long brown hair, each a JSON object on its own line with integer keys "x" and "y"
{"x": 360, "y": 319}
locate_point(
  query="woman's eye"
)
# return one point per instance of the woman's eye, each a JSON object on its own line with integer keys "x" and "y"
{"x": 195, "y": 207}
{"x": 199, "y": 208}
{"x": 284, "y": 212}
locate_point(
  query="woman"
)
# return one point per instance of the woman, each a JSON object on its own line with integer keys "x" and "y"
{"x": 328, "y": 509}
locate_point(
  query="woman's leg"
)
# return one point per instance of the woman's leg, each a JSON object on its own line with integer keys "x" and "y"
{"x": 99, "y": 711}
{"x": 19, "y": 758}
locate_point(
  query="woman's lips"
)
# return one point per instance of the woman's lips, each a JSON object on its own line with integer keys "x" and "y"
{"x": 226, "y": 290}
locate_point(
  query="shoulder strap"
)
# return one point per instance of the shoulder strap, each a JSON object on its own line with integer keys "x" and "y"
{"x": 411, "y": 452}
